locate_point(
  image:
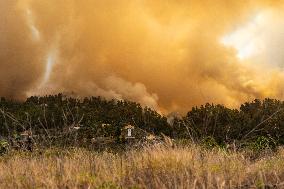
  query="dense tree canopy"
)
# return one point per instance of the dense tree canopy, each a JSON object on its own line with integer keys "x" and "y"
{"x": 56, "y": 113}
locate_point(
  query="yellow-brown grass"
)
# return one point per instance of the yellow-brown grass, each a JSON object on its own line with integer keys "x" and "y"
{"x": 152, "y": 167}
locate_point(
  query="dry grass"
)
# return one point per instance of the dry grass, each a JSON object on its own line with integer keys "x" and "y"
{"x": 156, "y": 167}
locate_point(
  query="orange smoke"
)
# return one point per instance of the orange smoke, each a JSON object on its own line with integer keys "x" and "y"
{"x": 163, "y": 54}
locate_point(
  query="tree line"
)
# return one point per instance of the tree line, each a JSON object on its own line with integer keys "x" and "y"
{"x": 259, "y": 119}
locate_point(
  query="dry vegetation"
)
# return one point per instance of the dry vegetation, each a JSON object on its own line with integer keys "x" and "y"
{"x": 152, "y": 167}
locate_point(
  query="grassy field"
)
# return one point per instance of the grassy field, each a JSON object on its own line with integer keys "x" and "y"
{"x": 151, "y": 167}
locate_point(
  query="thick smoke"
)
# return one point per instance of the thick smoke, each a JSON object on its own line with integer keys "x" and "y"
{"x": 21, "y": 60}
{"x": 165, "y": 54}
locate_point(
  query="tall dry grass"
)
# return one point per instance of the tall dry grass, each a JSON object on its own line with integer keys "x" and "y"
{"x": 153, "y": 167}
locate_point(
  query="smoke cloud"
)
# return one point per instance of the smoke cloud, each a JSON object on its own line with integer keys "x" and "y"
{"x": 165, "y": 54}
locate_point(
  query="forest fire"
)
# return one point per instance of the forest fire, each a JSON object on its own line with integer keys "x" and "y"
{"x": 164, "y": 55}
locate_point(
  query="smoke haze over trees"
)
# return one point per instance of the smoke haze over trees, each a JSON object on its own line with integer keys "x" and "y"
{"x": 167, "y": 56}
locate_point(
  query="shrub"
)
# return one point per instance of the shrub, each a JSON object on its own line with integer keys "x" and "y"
{"x": 4, "y": 146}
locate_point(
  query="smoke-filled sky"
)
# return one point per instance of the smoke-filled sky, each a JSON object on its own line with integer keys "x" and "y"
{"x": 166, "y": 54}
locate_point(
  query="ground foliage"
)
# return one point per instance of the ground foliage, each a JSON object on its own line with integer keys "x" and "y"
{"x": 159, "y": 166}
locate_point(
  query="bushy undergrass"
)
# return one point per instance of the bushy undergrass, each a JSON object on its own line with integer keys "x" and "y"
{"x": 152, "y": 167}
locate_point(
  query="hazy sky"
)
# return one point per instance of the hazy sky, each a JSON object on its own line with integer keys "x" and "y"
{"x": 166, "y": 54}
